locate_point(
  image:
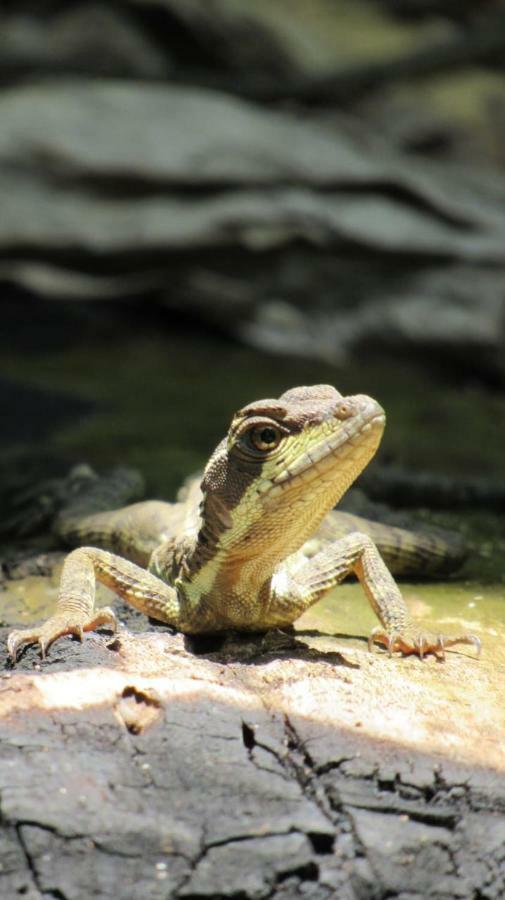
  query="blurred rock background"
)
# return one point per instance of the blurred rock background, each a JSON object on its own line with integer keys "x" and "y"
{"x": 316, "y": 179}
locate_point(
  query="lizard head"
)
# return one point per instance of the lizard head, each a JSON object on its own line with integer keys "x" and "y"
{"x": 283, "y": 465}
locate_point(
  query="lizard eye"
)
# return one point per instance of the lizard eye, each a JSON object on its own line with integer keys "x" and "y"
{"x": 265, "y": 437}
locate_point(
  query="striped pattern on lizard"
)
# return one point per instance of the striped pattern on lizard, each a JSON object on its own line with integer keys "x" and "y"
{"x": 256, "y": 543}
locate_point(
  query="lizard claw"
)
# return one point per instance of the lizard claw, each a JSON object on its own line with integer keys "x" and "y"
{"x": 410, "y": 641}
{"x": 57, "y": 626}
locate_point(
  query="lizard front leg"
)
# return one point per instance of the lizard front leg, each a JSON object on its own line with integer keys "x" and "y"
{"x": 357, "y": 554}
{"x": 75, "y": 611}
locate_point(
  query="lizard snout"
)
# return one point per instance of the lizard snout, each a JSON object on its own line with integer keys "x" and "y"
{"x": 359, "y": 405}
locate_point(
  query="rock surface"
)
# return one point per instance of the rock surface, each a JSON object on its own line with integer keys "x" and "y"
{"x": 148, "y": 766}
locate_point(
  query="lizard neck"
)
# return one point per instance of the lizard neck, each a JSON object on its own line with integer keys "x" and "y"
{"x": 221, "y": 556}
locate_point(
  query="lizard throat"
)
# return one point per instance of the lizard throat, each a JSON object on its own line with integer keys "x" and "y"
{"x": 275, "y": 515}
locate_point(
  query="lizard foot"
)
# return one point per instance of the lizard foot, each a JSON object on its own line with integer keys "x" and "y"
{"x": 413, "y": 641}
{"x": 73, "y": 622}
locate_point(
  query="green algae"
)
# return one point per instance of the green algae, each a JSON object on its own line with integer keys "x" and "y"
{"x": 28, "y": 600}
{"x": 450, "y": 608}
{"x": 24, "y": 601}
{"x": 325, "y": 33}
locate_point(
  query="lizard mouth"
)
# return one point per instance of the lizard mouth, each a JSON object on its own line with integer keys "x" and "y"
{"x": 340, "y": 454}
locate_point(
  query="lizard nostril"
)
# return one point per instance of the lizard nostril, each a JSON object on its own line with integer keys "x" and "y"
{"x": 343, "y": 411}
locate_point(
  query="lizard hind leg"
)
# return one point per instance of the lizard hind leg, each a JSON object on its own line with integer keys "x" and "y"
{"x": 100, "y": 513}
{"x": 75, "y": 611}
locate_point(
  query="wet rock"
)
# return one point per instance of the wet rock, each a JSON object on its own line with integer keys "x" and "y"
{"x": 43, "y": 132}
{"x": 109, "y": 213}
{"x": 456, "y": 312}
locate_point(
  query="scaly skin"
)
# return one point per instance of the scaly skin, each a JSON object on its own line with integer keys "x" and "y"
{"x": 255, "y": 545}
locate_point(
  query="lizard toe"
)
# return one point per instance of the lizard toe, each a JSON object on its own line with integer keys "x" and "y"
{"x": 58, "y": 626}
{"x": 410, "y": 641}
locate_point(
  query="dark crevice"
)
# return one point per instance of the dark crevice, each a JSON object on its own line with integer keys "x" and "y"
{"x": 28, "y": 858}
{"x": 388, "y": 785}
{"x": 295, "y": 744}
{"x": 237, "y": 895}
{"x": 203, "y": 644}
{"x": 248, "y": 737}
{"x": 42, "y": 826}
{"x": 328, "y": 800}
{"x": 307, "y": 872}
{"x": 332, "y": 766}
{"x": 250, "y": 743}
{"x": 427, "y": 804}
{"x": 138, "y": 186}
{"x": 303, "y": 768}
{"x": 403, "y": 789}
{"x": 321, "y": 843}
{"x": 240, "y": 838}
{"x": 442, "y": 818}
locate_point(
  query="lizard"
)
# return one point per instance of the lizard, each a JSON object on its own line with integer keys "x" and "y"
{"x": 252, "y": 546}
